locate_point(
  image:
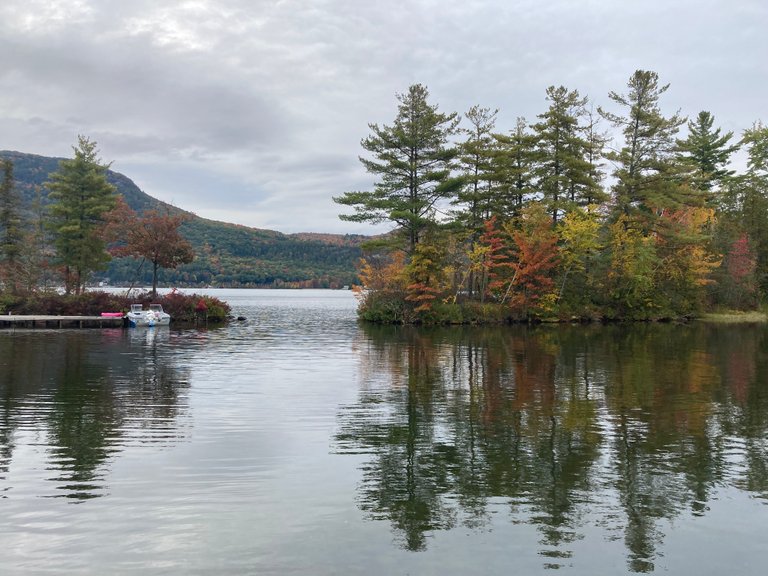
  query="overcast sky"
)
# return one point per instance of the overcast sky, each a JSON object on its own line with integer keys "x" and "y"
{"x": 252, "y": 111}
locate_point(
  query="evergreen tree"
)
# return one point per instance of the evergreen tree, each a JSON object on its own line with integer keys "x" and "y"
{"x": 82, "y": 196}
{"x": 594, "y": 154}
{"x": 750, "y": 197}
{"x": 12, "y": 233}
{"x": 563, "y": 172}
{"x": 707, "y": 152}
{"x": 513, "y": 171}
{"x": 474, "y": 161}
{"x": 476, "y": 195}
{"x": 413, "y": 159}
{"x": 647, "y": 176}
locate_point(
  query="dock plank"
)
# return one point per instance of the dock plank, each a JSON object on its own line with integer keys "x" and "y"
{"x": 52, "y": 321}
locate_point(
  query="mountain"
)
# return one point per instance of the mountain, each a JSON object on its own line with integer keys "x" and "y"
{"x": 225, "y": 254}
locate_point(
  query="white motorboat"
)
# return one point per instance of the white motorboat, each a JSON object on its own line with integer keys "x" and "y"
{"x": 155, "y": 316}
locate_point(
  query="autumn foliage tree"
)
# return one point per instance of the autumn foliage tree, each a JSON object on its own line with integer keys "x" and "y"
{"x": 630, "y": 274}
{"x": 152, "y": 236}
{"x": 382, "y": 291}
{"x": 426, "y": 277}
{"x": 492, "y": 261}
{"x": 740, "y": 287}
{"x": 537, "y": 256}
{"x": 580, "y": 246}
{"x": 686, "y": 263}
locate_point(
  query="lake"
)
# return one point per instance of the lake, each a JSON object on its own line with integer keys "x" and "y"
{"x": 302, "y": 442}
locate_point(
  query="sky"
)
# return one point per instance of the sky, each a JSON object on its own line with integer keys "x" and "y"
{"x": 252, "y": 111}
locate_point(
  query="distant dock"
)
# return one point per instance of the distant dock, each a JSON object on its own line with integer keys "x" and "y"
{"x": 36, "y": 321}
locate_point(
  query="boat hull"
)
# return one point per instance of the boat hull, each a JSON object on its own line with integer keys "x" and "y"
{"x": 147, "y": 318}
{"x": 148, "y": 322}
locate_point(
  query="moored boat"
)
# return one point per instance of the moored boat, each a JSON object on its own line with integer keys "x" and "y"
{"x": 155, "y": 316}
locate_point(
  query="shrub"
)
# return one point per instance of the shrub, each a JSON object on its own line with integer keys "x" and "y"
{"x": 183, "y": 308}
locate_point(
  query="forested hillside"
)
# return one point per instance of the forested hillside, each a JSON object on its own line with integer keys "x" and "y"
{"x": 225, "y": 254}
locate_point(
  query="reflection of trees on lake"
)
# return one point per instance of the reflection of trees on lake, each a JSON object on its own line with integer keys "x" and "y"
{"x": 465, "y": 416}
{"x": 6, "y": 426}
{"x": 633, "y": 426}
{"x": 92, "y": 393}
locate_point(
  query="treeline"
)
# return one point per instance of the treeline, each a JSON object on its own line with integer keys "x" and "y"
{"x": 222, "y": 269}
{"x": 81, "y": 227}
{"x": 224, "y": 254}
{"x": 586, "y": 213}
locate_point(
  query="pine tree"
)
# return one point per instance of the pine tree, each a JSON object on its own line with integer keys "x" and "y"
{"x": 82, "y": 196}
{"x": 594, "y": 154}
{"x": 476, "y": 194}
{"x": 513, "y": 171}
{"x": 707, "y": 152}
{"x": 413, "y": 159}
{"x": 474, "y": 161}
{"x": 749, "y": 197}
{"x": 647, "y": 175}
{"x": 563, "y": 172}
{"x": 12, "y": 233}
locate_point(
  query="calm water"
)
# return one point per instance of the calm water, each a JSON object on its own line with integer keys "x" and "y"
{"x": 299, "y": 442}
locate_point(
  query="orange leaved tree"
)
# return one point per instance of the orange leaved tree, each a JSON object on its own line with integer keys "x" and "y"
{"x": 535, "y": 244}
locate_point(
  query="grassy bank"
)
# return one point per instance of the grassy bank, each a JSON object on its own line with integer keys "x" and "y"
{"x": 735, "y": 317}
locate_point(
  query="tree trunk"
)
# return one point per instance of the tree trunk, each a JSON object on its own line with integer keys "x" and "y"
{"x": 154, "y": 279}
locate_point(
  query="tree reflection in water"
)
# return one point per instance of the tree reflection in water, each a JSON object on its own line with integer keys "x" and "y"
{"x": 90, "y": 393}
{"x": 623, "y": 428}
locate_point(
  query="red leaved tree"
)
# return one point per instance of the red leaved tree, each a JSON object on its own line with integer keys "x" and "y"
{"x": 535, "y": 242}
{"x": 491, "y": 260}
{"x": 152, "y": 236}
{"x": 741, "y": 263}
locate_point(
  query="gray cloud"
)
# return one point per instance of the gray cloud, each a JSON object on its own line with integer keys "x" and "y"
{"x": 252, "y": 111}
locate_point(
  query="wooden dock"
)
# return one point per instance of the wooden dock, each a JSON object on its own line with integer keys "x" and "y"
{"x": 23, "y": 321}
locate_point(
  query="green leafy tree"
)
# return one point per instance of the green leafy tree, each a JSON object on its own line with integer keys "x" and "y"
{"x": 81, "y": 198}
{"x": 12, "y": 234}
{"x": 413, "y": 160}
{"x": 647, "y": 174}
{"x": 630, "y": 276}
{"x": 756, "y": 140}
{"x": 580, "y": 244}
